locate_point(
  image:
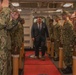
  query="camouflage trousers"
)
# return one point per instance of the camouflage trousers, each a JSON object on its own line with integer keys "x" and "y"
{"x": 67, "y": 52}
{"x": 56, "y": 48}
{"x": 9, "y": 63}
{"x": 5, "y": 63}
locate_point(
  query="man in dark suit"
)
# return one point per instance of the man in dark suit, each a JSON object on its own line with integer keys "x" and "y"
{"x": 39, "y": 33}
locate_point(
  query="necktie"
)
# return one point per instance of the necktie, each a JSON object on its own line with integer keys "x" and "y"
{"x": 39, "y": 27}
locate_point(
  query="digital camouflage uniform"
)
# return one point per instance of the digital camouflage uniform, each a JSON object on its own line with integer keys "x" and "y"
{"x": 5, "y": 42}
{"x": 51, "y": 32}
{"x": 16, "y": 37}
{"x": 74, "y": 23}
{"x": 22, "y": 36}
{"x": 22, "y": 29}
{"x": 57, "y": 34}
{"x": 47, "y": 23}
{"x": 67, "y": 37}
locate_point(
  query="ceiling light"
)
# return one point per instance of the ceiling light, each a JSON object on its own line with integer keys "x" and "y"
{"x": 59, "y": 10}
{"x": 15, "y": 4}
{"x": 68, "y": 5}
{"x": 19, "y": 10}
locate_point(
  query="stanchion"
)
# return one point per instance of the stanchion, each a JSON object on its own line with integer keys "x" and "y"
{"x": 15, "y": 64}
{"x": 74, "y": 65}
{"x": 22, "y": 52}
{"x": 52, "y": 49}
{"x": 48, "y": 47}
{"x": 74, "y": 60}
{"x": 21, "y": 57}
{"x": 20, "y": 61}
{"x": 60, "y": 57}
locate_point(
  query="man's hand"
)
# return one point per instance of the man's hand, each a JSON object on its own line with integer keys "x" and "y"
{"x": 48, "y": 38}
{"x": 5, "y": 3}
{"x": 33, "y": 39}
{"x": 14, "y": 15}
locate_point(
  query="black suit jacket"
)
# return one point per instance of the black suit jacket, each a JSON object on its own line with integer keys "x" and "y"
{"x": 36, "y": 33}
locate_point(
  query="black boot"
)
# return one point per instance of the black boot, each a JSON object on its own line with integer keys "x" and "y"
{"x": 56, "y": 59}
{"x": 67, "y": 70}
{"x": 20, "y": 71}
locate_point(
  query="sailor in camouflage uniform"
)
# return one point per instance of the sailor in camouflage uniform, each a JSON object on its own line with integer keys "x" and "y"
{"x": 22, "y": 53}
{"x": 5, "y": 41}
{"x": 67, "y": 37}
{"x": 51, "y": 29}
{"x": 4, "y": 49}
{"x": 16, "y": 37}
{"x": 57, "y": 34}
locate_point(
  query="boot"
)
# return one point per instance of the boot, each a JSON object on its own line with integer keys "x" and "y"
{"x": 67, "y": 70}
{"x": 20, "y": 71}
{"x": 56, "y": 59}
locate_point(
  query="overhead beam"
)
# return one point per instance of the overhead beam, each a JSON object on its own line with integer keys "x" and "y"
{"x": 43, "y": 0}
{"x": 53, "y": 0}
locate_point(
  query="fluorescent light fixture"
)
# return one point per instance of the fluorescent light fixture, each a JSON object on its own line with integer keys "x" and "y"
{"x": 15, "y": 4}
{"x": 59, "y": 10}
{"x": 68, "y": 5}
{"x": 49, "y": 11}
{"x": 19, "y": 10}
